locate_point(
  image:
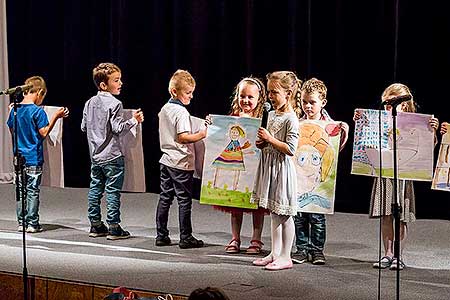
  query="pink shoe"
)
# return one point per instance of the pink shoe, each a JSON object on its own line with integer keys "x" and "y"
{"x": 262, "y": 261}
{"x": 275, "y": 266}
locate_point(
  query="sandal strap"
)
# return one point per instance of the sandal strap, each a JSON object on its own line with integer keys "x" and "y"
{"x": 256, "y": 242}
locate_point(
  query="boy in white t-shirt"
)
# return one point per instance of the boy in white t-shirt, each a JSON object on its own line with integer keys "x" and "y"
{"x": 177, "y": 161}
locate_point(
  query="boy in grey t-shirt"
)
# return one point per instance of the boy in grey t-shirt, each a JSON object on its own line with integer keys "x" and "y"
{"x": 177, "y": 161}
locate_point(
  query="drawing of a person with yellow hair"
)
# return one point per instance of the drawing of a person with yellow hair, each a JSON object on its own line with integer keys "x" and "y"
{"x": 315, "y": 157}
{"x": 232, "y": 157}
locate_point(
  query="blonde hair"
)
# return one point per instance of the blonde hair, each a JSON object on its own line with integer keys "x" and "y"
{"x": 39, "y": 86}
{"x": 315, "y": 85}
{"x": 316, "y": 136}
{"x": 399, "y": 89}
{"x": 257, "y": 112}
{"x": 289, "y": 82}
{"x": 102, "y": 72}
{"x": 239, "y": 129}
{"x": 178, "y": 78}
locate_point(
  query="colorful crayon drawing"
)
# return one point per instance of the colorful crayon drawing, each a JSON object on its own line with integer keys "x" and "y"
{"x": 316, "y": 161}
{"x": 441, "y": 179}
{"x": 415, "y": 142}
{"x": 230, "y": 163}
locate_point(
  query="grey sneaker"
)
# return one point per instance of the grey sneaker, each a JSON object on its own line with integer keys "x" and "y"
{"x": 34, "y": 229}
{"x": 99, "y": 230}
{"x": 117, "y": 233}
{"x": 300, "y": 257}
{"x": 385, "y": 262}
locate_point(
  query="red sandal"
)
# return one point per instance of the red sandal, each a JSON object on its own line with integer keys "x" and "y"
{"x": 255, "y": 247}
{"x": 234, "y": 246}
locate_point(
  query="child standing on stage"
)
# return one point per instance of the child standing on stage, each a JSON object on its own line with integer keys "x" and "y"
{"x": 177, "y": 161}
{"x": 405, "y": 187}
{"x": 248, "y": 99}
{"x": 33, "y": 128}
{"x": 310, "y": 228}
{"x": 103, "y": 123}
{"x": 276, "y": 183}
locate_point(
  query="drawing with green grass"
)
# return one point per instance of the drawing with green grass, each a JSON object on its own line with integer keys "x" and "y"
{"x": 316, "y": 161}
{"x": 230, "y": 163}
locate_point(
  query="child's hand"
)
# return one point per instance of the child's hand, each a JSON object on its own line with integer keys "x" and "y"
{"x": 208, "y": 120}
{"x": 444, "y": 127}
{"x": 260, "y": 144}
{"x": 62, "y": 112}
{"x": 357, "y": 115}
{"x": 344, "y": 134}
{"x": 434, "y": 123}
{"x": 139, "y": 115}
{"x": 263, "y": 134}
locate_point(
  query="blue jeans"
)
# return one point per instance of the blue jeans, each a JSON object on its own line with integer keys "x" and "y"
{"x": 174, "y": 182}
{"x": 107, "y": 178}
{"x": 310, "y": 232}
{"x": 32, "y": 180}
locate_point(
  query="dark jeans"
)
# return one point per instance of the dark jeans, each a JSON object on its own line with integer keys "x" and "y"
{"x": 32, "y": 180}
{"x": 106, "y": 178}
{"x": 310, "y": 232}
{"x": 174, "y": 182}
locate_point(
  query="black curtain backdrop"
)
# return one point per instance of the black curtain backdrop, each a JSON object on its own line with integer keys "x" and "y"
{"x": 219, "y": 42}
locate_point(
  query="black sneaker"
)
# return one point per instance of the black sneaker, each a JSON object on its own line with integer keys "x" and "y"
{"x": 163, "y": 241}
{"x": 99, "y": 230}
{"x": 117, "y": 233}
{"x": 300, "y": 257}
{"x": 317, "y": 258}
{"x": 190, "y": 242}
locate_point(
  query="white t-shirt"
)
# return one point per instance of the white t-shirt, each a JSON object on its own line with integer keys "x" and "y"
{"x": 173, "y": 120}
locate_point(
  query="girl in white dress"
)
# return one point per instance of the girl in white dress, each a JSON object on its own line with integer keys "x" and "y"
{"x": 276, "y": 179}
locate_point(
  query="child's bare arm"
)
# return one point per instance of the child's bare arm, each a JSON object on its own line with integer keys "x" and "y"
{"x": 62, "y": 112}
{"x": 344, "y": 135}
{"x": 265, "y": 136}
{"x": 187, "y": 138}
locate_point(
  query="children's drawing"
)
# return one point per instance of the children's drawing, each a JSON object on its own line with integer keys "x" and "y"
{"x": 441, "y": 179}
{"x": 230, "y": 162}
{"x": 316, "y": 161}
{"x": 415, "y": 140}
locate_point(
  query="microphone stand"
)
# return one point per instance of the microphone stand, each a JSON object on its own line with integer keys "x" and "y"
{"x": 396, "y": 207}
{"x": 19, "y": 163}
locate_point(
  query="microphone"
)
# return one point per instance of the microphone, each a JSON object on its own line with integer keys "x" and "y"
{"x": 266, "y": 108}
{"x": 396, "y": 100}
{"x": 17, "y": 89}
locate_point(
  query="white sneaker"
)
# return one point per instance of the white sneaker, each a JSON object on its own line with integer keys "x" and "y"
{"x": 34, "y": 229}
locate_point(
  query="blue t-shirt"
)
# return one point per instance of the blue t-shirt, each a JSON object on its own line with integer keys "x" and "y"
{"x": 30, "y": 118}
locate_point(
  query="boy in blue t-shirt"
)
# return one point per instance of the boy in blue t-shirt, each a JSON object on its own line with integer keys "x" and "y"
{"x": 32, "y": 128}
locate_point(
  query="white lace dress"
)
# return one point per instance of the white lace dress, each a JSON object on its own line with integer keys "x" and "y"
{"x": 276, "y": 178}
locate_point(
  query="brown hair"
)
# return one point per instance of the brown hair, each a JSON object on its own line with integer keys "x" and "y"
{"x": 289, "y": 82}
{"x": 102, "y": 72}
{"x": 235, "y": 109}
{"x": 315, "y": 85}
{"x": 208, "y": 293}
{"x": 179, "y": 77}
{"x": 399, "y": 89}
{"x": 39, "y": 85}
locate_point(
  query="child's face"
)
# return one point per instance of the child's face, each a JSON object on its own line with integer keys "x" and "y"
{"x": 277, "y": 95}
{"x": 401, "y": 107}
{"x": 185, "y": 93}
{"x": 248, "y": 97}
{"x": 312, "y": 105}
{"x": 310, "y": 163}
{"x": 234, "y": 134}
{"x": 114, "y": 84}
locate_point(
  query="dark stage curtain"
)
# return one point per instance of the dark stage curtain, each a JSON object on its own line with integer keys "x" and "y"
{"x": 219, "y": 42}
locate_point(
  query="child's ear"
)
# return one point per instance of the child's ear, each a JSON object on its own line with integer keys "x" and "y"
{"x": 324, "y": 102}
{"x": 103, "y": 86}
{"x": 174, "y": 92}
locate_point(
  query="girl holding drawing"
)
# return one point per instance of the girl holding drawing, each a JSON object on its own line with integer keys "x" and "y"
{"x": 248, "y": 99}
{"x": 275, "y": 184}
{"x": 405, "y": 188}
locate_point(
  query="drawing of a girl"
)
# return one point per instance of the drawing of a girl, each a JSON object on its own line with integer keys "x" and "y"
{"x": 232, "y": 157}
